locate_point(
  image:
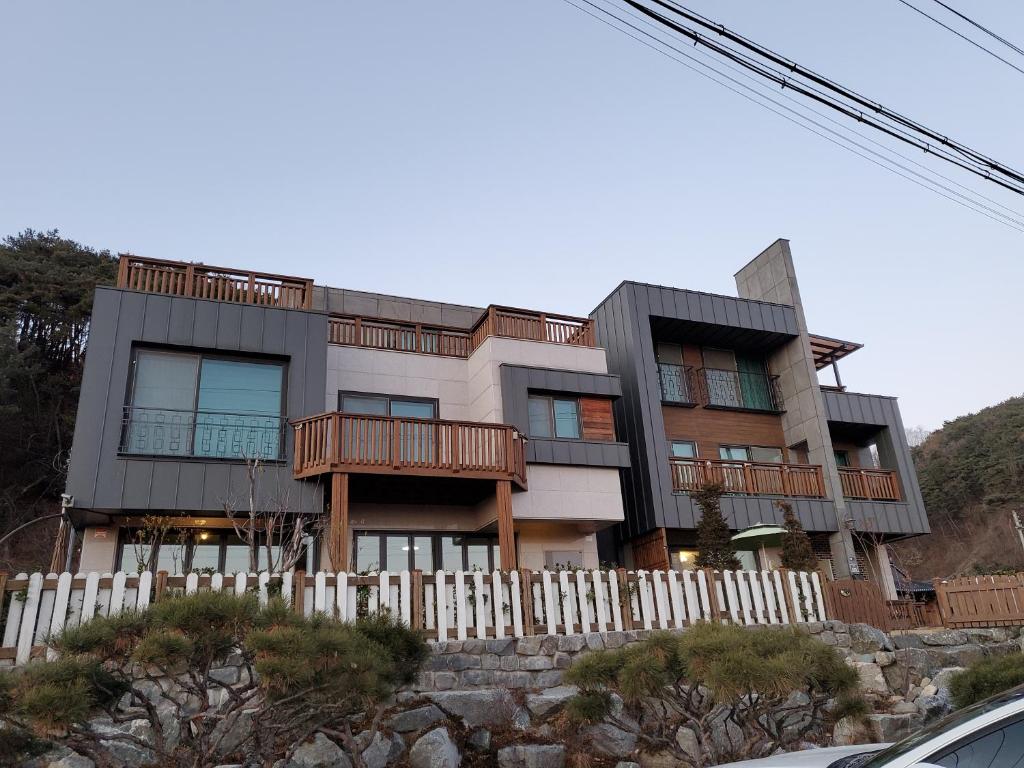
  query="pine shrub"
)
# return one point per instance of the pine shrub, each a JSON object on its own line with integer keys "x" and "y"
{"x": 985, "y": 678}
{"x": 714, "y": 539}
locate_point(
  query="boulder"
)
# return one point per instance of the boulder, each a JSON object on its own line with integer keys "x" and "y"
{"x": 319, "y": 752}
{"x": 435, "y": 749}
{"x": 885, "y": 658}
{"x": 480, "y": 739}
{"x": 849, "y": 731}
{"x": 547, "y": 701}
{"x": 944, "y": 637}
{"x": 871, "y": 678}
{"x": 383, "y": 751}
{"x": 532, "y": 756}
{"x": 935, "y": 706}
{"x": 889, "y": 728}
{"x": 626, "y": 764}
{"x": 416, "y": 719}
{"x": 867, "y": 639}
{"x": 686, "y": 739}
{"x": 607, "y": 739}
{"x": 907, "y": 641}
{"x": 904, "y": 708}
{"x": 74, "y": 760}
{"x": 487, "y": 706}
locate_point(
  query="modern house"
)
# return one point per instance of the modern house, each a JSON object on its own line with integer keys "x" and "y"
{"x": 417, "y": 434}
{"x": 422, "y": 435}
{"x": 725, "y": 389}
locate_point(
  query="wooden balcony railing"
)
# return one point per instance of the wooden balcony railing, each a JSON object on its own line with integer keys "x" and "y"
{"x": 748, "y": 477}
{"x": 178, "y": 278}
{"x": 399, "y": 337}
{"x": 535, "y": 326}
{"x": 870, "y": 484}
{"x": 342, "y": 442}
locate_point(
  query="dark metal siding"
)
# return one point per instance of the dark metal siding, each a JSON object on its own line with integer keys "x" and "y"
{"x": 880, "y": 411}
{"x": 99, "y": 479}
{"x": 518, "y": 380}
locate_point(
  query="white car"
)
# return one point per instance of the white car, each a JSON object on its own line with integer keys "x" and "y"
{"x": 989, "y": 734}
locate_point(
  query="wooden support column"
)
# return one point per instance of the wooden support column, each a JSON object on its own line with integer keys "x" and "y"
{"x": 337, "y": 541}
{"x": 506, "y": 531}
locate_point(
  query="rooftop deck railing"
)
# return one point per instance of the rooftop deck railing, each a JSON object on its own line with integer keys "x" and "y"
{"x": 870, "y": 484}
{"x": 748, "y": 477}
{"x": 344, "y": 442}
{"x": 201, "y": 281}
{"x": 525, "y": 324}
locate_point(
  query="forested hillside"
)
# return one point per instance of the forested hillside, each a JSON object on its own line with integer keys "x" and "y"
{"x": 972, "y": 477}
{"x": 46, "y": 289}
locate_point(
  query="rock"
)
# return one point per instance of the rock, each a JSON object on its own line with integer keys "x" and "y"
{"x": 530, "y": 645}
{"x": 319, "y": 752}
{"x": 849, "y": 731}
{"x": 480, "y": 739}
{"x": 932, "y": 707}
{"x": 74, "y": 760}
{"x": 907, "y": 641}
{"x": 726, "y": 735}
{"x": 123, "y": 753}
{"x": 236, "y": 729}
{"x": 226, "y": 675}
{"x": 943, "y": 677}
{"x": 536, "y": 663}
{"x": 867, "y": 639}
{"x": 904, "y": 708}
{"x": 626, "y": 764}
{"x": 945, "y": 637}
{"x": 889, "y": 728}
{"x": 487, "y": 706}
{"x": 929, "y": 690}
{"x": 686, "y": 739}
{"x": 871, "y": 678}
{"x": 416, "y": 719}
{"x": 607, "y": 739}
{"x": 885, "y": 658}
{"x": 532, "y": 756}
{"x": 541, "y": 704}
{"x": 383, "y": 750}
{"x": 661, "y": 759}
{"x": 572, "y": 643}
{"x": 435, "y": 749}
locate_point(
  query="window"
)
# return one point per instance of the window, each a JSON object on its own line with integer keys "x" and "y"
{"x": 734, "y": 453}
{"x": 387, "y": 405}
{"x": 1000, "y": 748}
{"x": 198, "y": 405}
{"x": 563, "y": 559}
{"x": 369, "y": 438}
{"x": 554, "y": 417}
{"x": 736, "y": 380}
{"x": 192, "y": 550}
{"x": 683, "y": 449}
{"x": 424, "y": 551}
{"x": 759, "y": 453}
{"x": 842, "y": 458}
{"x": 675, "y": 385}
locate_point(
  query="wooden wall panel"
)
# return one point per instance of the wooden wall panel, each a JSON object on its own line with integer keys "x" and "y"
{"x": 596, "y": 415}
{"x": 650, "y": 551}
{"x": 711, "y": 428}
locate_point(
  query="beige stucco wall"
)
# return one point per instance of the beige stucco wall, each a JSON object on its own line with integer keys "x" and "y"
{"x": 99, "y": 547}
{"x": 567, "y": 493}
{"x": 535, "y": 539}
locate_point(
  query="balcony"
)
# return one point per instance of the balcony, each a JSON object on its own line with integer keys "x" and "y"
{"x": 398, "y": 337}
{"x": 748, "y": 477}
{"x": 870, "y": 484}
{"x": 200, "y": 281}
{"x": 738, "y": 390}
{"x": 512, "y": 323}
{"x": 358, "y": 444}
{"x": 200, "y": 434}
{"x": 677, "y": 385}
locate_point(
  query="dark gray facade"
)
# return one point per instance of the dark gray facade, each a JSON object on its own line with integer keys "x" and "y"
{"x": 101, "y": 481}
{"x": 517, "y": 381}
{"x": 877, "y": 418}
{"x": 626, "y": 324}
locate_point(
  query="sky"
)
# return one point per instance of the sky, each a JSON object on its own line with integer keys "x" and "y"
{"x": 523, "y": 153}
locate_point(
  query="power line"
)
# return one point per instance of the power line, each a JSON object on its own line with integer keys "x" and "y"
{"x": 881, "y": 161}
{"x": 986, "y": 30}
{"x": 835, "y": 96}
{"x": 962, "y": 36}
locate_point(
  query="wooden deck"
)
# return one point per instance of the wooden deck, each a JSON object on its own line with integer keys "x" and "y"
{"x": 201, "y": 281}
{"x": 358, "y": 444}
{"x": 748, "y": 477}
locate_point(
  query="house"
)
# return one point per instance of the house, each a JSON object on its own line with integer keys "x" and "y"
{"x": 410, "y": 434}
{"x": 725, "y": 389}
{"x": 400, "y": 424}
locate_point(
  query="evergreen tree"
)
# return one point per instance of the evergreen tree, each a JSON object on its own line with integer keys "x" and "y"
{"x": 714, "y": 540}
{"x": 797, "y": 552}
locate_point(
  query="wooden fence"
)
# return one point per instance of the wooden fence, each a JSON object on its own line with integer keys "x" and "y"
{"x": 444, "y": 605}
{"x": 981, "y": 601}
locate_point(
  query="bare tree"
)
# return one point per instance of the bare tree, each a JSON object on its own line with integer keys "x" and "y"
{"x": 272, "y": 526}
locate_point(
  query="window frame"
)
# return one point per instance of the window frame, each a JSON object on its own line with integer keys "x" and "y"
{"x": 671, "y": 448}
{"x": 222, "y": 534}
{"x": 436, "y": 551}
{"x": 750, "y": 456}
{"x": 388, "y": 398}
{"x": 199, "y": 355}
{"x": 550, "y": 398}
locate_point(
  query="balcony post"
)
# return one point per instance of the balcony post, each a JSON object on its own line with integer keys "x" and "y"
{"x": 396, "y": 443}
{"x": 250, "y": 288}
{"x": 542, "y": 330}
{"x": 419, "y": 337}
{"x": 456, "y": 449}
{"x": 506, "y": 530}
{"x": 337, "y": 537}
{"x": 787, "y": 487}
{"x": 297, "y": 458}
{"x": 190, "y": 280}
{"x": 359, "y": 331}
{"x": 748, "y": 479}
{"x": 122, "y": 271}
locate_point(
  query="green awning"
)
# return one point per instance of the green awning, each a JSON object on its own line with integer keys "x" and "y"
{"x": 760, "y": 535}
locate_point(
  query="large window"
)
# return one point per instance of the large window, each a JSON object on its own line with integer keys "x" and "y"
{"x": 371, "y": 439}
{"x": 199, "y": 550}
{"x": 185, "y": 404}
{"x": 552, "y": 416}
{"x": 683, "y": 449}
{"x": 424, "y": 551}
{"x": 759, "y": 453}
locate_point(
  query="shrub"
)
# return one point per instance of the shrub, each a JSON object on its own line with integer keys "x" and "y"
{"x": 986, "y": 678}
{"x": 778, "y": 686}
{"x": 165, "y": 665}
{"x": 797, "y": 550}
{"x": 714, "y": 540}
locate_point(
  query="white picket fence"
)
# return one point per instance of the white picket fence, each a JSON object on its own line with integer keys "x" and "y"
{"x": 457, "y": 605}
